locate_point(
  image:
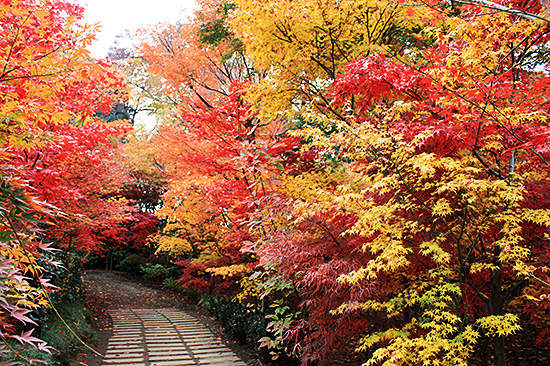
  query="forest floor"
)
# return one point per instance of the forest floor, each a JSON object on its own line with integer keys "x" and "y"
{"x": 105, "y": 291}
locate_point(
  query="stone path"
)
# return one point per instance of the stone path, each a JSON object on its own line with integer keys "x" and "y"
{"x": 164, "y": 337}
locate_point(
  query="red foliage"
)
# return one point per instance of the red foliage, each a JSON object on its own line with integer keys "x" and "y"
{"x": 78, "y": 174}
{"x": 315, "y": 252}
{"x": 232, "y": 156}
{"x": 141, "y": 225}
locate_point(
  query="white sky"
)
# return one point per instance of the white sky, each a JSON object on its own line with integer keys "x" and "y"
{"x": 116, "y": 16}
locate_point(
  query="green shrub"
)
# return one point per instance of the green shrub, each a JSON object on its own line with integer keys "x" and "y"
{"x": 280, "y": 319}
{"x": 155, "y": 271}
{"x": 170, "y": 282}
{"x": 192, "y": 294}
{"x": 66, "y": 347}
{"x": 67, "y": 276}
{"x": 131, "y": 263}
{"x": 64, "y": 342}
{"x": 24, "y": 354}
{"x": 68, "y": 302}
{"x": 247, "y": 322}
{"x": 251, "y": 324}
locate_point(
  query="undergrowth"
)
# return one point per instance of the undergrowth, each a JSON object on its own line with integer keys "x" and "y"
{"x": 66, "y": 349}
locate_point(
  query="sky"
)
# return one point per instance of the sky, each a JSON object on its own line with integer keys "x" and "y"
{"x": 115, "y": 16}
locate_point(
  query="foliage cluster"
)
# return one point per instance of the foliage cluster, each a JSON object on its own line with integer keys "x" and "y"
{"x": 66, "y": 348}
{"x": 131, "y": 263}
{"x": 151, "y": 271}
{"x": 245, "y": 321}
{"x": 192, "y": 294}
{"x": 250, "y": 322}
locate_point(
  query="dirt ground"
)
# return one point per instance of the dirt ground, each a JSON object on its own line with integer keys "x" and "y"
{"x": 105, "y": 290}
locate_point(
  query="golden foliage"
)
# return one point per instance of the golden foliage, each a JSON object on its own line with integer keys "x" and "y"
{"x": 302, "y": 45}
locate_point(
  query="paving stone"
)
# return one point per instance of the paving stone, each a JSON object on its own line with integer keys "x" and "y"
{"x": 161, "y": 338}
{"x": 124, "y": 343}
{"x": 196, "y": 335}
{"x": 124, "y": 331}
{"x": 167, "y": 341}
{"x": 111, "y": 360}
{"x": 124, "y": 348}
{"x": 118, "y": 338}
{"x": 169, "y": 356}
{"x": 203, "y": 345}
{"x": 125, "y": 357}
{"x": 164, "y": 348}
{"x": 163, "y": 358}
{"x": 224, "y": 362}
{"x": 125, "y": 351}
{"x": 171, "y": 363}
{"x": 215, "y": 354}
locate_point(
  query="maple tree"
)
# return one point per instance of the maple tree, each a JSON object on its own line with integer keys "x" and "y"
{"x": 59, "y": 170}
{"x": 148, "y": 178}
{"x": 441, "y": 180}
{"x": 301, "y": 46}
{"x": 219, "y": 170}
{"x": 214, "y": 150}
{"x": 46, "y": 72}
{"x": 79, "y": 174}
{"x": 197, "y": 59}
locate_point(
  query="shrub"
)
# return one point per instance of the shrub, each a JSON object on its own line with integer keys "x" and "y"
{"x": 68, "y": 302}
{"x": 192, "y": 294}
{"x": 170, "y": 282}
{"x": 252, "y": 324}
{"x": 67, "y": 275}
{"x": 65, "y": 344}
{"x": 247, "y": 322}
{"x": 131, "y": 263}
{"x": 23, "y": 354}
{"x": 155, "y": 271}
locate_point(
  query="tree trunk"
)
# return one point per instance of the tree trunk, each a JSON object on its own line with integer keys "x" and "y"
{"x": 500, "y": 352}
{"x": 497, "y": 308}
{"x": 109, "y": 261}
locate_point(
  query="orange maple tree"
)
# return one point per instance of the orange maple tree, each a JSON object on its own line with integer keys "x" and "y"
{"x": 198, "y": 59}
